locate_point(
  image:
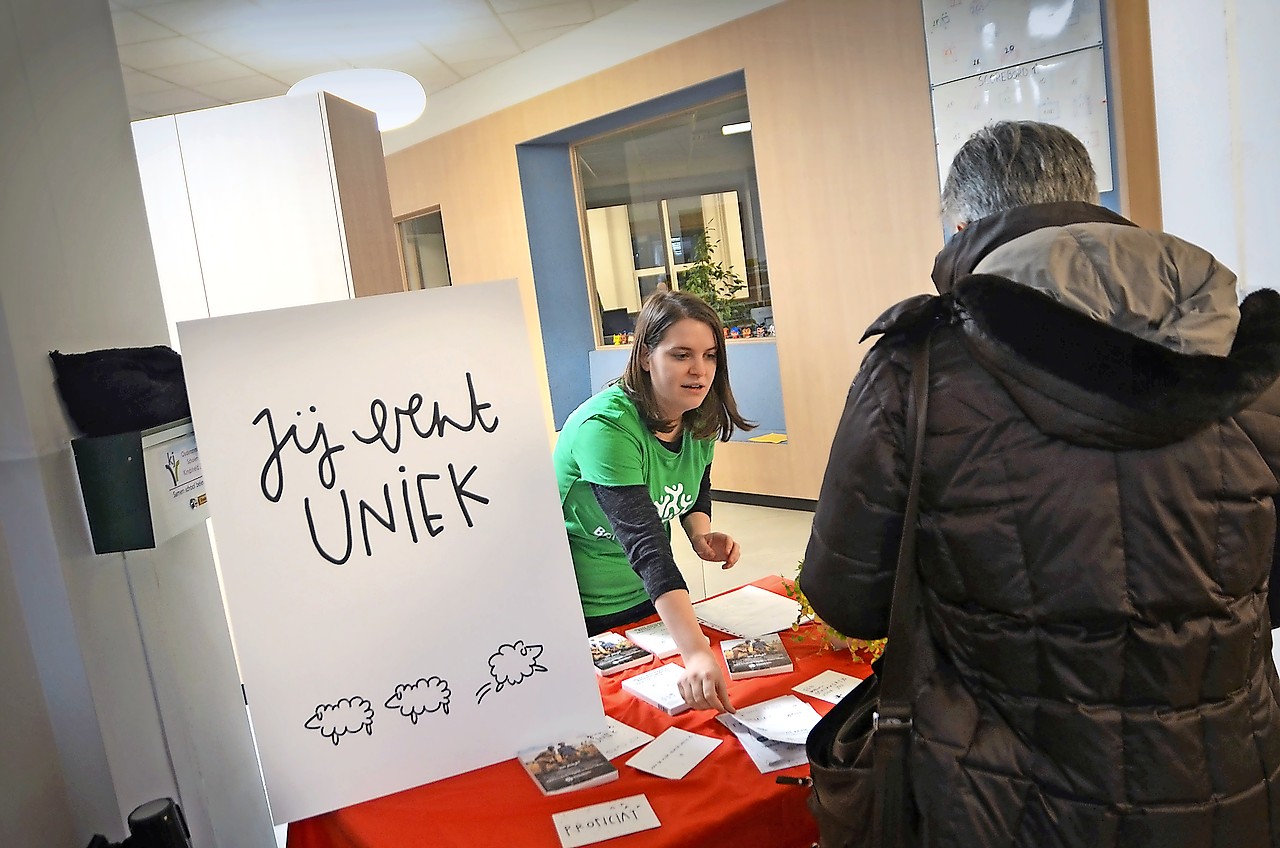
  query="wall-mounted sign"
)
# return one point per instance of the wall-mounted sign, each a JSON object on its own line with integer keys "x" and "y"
{"x": 967, "y": 37}
{"x": 140, "y": 488}
{"x": 1069, "y": 91}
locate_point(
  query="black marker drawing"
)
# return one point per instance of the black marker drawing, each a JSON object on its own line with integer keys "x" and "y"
{"x": 425, "y": 696}
{"x": 349, "y": 715}
{"x": 511, "y": 665}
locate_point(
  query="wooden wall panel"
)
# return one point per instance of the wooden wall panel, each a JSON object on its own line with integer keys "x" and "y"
{"x": 1133, "y": 106}
{"x": 843, "y": 136}
{"x": 363, "y": 197}
{"x": 844, "y": 151}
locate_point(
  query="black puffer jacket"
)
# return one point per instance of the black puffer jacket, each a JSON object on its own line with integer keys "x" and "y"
{"x": 1096, "y": 537}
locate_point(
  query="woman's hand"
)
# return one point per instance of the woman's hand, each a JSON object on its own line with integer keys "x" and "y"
{"x": 703, "y": 685}
{"x": 716, "y": 547}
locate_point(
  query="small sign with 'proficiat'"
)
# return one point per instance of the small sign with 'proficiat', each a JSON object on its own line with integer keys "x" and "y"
{"x": 599, "y": 822}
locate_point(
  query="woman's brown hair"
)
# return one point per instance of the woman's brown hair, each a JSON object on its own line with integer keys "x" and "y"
{"x": 718, "y": 414}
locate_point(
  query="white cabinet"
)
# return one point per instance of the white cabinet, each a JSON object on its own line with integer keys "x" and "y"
{"x": 267, "y": 204}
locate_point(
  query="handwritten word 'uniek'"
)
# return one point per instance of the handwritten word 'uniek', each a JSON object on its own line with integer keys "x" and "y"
{"x": 389, "y": 424}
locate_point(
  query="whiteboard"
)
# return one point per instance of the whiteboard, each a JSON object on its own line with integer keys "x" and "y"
{"x": 1068, "y": 90}
{"x": 389, "y": 531}
{"x": 967, "y": 37}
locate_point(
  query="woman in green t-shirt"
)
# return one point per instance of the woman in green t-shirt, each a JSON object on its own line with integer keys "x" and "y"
{"x": 637, "y": 455}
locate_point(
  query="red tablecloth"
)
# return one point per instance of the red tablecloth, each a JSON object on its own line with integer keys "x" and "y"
{"x": 724, "y": 801}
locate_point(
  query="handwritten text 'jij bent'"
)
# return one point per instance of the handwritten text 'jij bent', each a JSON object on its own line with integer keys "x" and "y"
{"x": 389, "y": 426}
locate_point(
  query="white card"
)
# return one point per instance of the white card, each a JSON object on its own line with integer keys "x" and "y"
{"x": 618, "y": 738}
{"x": 784, "y": 719}
{"x": 767, "y": 754}
{"x": 599, "y": 822}
{"x": 674, "y": 753}
{"x": 829, "y": 686}
{"x": 748, "y": 611}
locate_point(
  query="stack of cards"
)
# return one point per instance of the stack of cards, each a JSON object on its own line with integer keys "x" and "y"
{"x": 658, "y": 688}
{"x": 654, "y": 638}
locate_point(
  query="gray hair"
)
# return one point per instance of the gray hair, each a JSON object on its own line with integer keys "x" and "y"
{"x": 1016, "y": 163}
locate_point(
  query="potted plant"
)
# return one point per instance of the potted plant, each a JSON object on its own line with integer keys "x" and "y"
{"x": 711, "y": 280}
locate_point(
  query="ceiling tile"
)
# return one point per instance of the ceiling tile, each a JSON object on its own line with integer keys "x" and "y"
{"x": 473, "y": 66}
{"x": 605, "y": 7}
{"x": 131, "y": 28}
{"x": 239, "y": 90}
{"x": 452, "y": 53}
{"x": 289, "y": 74}
{"x": 364, "y": 48}
{"x": 561, "y": 14}
{"x": 530, "y": 40}
{"x": 179, "y": 55}
{"x": 432, "y": 73}
{"x": 235, "y": 41}
{"x": 198, "y": 73}
{"x": 135, "y": 4}
{"x": 171, "y": 102}
{"x": 136, "y": 82}
{"x": 433, "y": 33}
{"x": 501, "y": 6}
{"x": 397, "y": 60}
{"x": 195, "y": 16}
{"x": 162, "y": 52}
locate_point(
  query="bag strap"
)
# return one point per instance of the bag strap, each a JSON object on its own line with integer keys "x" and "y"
{"x": 896, "y": 676}
{"x": 892, "y": 722}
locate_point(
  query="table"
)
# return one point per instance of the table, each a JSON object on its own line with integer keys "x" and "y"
{"x": 724, "y": 801}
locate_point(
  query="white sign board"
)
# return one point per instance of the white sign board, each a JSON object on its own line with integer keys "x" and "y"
{"x": 389, "y": 531}
{"x": 1069, "y": 91}
{"x": 967, "y": 37}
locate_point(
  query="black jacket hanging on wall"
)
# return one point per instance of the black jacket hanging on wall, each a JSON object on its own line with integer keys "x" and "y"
{"x": 121, "y": 389}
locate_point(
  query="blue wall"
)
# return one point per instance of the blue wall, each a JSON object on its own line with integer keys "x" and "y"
{"x": 559, "y": 276}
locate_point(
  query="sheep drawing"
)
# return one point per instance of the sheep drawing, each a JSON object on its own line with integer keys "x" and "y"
{"x": 425, "y": 696}
{"x": 509, "y": 665}
{"x": 347, "y": 716}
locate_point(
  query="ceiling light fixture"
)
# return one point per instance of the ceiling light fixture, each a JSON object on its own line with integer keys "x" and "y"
{"x": 730, "y": 129}
{"x": 395, "y": 97}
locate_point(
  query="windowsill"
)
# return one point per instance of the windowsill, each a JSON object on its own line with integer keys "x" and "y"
{"x": 750, "y": 340}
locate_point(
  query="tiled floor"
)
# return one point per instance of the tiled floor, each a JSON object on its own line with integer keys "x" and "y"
{"x": 772, "y": 542}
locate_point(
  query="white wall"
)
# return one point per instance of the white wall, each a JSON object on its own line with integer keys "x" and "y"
{"x": 75, "y": 279}
{"x": 84, "y": 744}
{"x": 1217, "y": 122}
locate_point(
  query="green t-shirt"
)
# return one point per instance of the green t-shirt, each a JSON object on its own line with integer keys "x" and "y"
{"x": 605, "y": 442}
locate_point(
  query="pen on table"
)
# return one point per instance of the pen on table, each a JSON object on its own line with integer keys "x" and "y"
{"x": 793, "y": 781}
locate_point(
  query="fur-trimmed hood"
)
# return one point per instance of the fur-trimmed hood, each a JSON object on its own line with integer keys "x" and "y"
{"x": 1118, "y": 338}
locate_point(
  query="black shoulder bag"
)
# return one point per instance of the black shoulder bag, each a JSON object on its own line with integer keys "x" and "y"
{"x": 861, "y": 796}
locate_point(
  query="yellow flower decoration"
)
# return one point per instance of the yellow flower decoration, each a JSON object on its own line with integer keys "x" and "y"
{"x": 867, "y": 650}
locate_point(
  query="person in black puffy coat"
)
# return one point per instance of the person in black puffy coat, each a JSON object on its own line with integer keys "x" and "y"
{"x": 1097, "y": 520}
